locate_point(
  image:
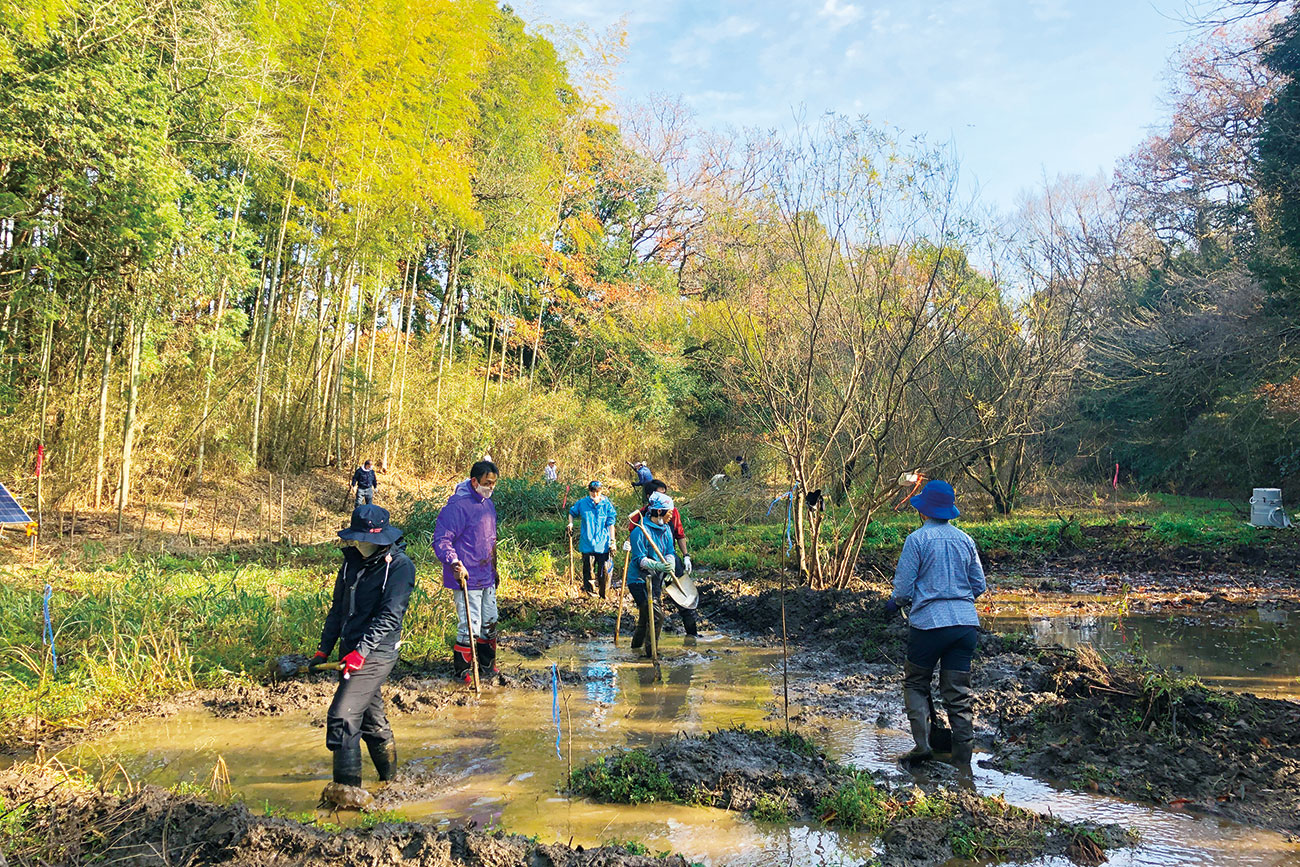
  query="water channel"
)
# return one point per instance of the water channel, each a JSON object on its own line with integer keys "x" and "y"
{"x": 495, "y": 761}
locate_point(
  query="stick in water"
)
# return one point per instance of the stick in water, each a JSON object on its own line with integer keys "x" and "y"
{"x": 469, "y": 625}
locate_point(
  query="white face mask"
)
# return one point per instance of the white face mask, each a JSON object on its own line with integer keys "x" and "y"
{"x": 596, "y": 496}
{"x": 485, "y": 493}
{"x": 661, "y": 520}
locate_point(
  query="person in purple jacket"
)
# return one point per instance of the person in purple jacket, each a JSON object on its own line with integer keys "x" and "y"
{"x": 465, "y": 540}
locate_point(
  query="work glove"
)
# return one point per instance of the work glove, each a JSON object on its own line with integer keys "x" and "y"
{"x": 353, "y": 662}
{"x": 687, "y": 563}
{"x": 627, "y": 546}
{"x": 650, "y": 564}
{"x": 891, "y": 607}
{"x": 570, "y": 529}
{"x": 318, "y": 657}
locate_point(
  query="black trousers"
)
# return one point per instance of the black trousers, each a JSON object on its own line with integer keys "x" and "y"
{"x": 638, "y": 591}
{"x": 600, "y": 560}
{"x": 950, "y": 646}
{"x": 357, "y": 712}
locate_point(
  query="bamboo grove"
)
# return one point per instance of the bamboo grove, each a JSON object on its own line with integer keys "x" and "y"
{"x": 241, "y": 234}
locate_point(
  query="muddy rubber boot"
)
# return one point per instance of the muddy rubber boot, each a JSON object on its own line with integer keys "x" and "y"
{"x": 959, "y": 700}
{"x": 461, "y": 662}
{"x": 384, "y": 756}
{"x": 690, "y": 622}
{"x": 916, "y": 702}
{"x": 487, "y": 657}
{"x": 642, "y": 621}
{"x": 347, "y": 765}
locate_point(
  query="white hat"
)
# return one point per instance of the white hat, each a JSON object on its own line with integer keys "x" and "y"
{"x": 660, "y": 500}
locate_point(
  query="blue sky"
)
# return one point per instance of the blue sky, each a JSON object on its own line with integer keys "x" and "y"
{"x": 1022, "y": 88}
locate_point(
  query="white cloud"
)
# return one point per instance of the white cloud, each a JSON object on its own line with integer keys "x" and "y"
{"x": 1050, "y": 10}
{"x": 840, "y": 14}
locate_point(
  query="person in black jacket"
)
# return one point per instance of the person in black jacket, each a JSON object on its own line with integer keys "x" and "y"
{"x": 365, "y": 619}
{"x": 366, "y": 483}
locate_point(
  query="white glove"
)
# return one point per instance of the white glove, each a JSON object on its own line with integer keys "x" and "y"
{"x": 687, "y": 564}
{"x": 627, "y": 546}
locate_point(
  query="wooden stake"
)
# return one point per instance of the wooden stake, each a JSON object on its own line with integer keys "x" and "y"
{"x": 185, "y": 510}
{"x": 282, "y": 508}
{"x": 72, "y": 530}
{"x": 212, "y": 527}
{"x": 239, "y": 513}
{"x": 270, "y": 504}
{"x": 622, "y": 592}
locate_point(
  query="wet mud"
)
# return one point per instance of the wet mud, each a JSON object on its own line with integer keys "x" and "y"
{"x": 765, "y": 773}
{"x": 63, "y": 821}
{"x": 1143, "y": 734}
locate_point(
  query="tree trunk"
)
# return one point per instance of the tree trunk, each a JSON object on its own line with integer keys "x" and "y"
{"x": 104, "y": 376}
{"x": 128, "y": 424}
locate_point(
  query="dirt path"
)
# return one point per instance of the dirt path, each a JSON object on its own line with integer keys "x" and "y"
{"x": 54, "y": 819}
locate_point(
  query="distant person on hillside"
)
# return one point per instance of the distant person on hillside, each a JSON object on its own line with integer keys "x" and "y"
{"x": 596, "y": 538}
{"x": 365, "y": 483}
{"x": 744, "y": 466}
{"x": 643, "y": 478}
{"x": 549, "y": 472}
{"x": 681, "y": 565}
{"x": 465, "y": 540}
{"x": 371, "y": 593}
{"x": 648, "y": 568}
{"x": 939, "y": 573}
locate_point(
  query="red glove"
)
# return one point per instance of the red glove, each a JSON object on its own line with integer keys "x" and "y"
{"x": 320, "y": 656}
{"x": 353, "y": 661}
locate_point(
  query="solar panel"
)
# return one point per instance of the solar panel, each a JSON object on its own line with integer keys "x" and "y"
{"x": 10, "y": 511}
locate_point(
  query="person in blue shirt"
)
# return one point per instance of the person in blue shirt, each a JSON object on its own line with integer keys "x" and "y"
{"x": 596, "y": 539}
{"x": 365, "y": 483}
{"x": 643, "y": 478}
{"x": 649, "y": 567}
{"x": 939, "y": 573}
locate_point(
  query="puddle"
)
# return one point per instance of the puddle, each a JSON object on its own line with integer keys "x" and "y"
{"x": 495, "y": 763}
{"x": 1242, "y": 651}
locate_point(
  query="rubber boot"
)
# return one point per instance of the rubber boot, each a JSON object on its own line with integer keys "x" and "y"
{"x": 659, "y": 626}
{"x": 690, "y": 622}
{"x": 461, "y": 662}
{"x": 347, "y": 765}
{"x": 916, "y": 702}
{"x": 487, "y": 656}
{"x": 959, "y": 700}
{"x": 384, "y": 755}
{"x": 642, "y": 622}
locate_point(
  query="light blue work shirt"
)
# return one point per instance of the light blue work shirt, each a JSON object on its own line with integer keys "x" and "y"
{"x": 597, "y": 518}
{"x": 940, "y": 572}
{"x": 662, "y": 534}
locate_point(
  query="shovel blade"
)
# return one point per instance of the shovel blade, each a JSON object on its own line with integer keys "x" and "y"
{"x": 940, "y": 738}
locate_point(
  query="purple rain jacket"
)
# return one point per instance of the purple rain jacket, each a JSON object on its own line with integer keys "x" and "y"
{"x": 467, "y": 531}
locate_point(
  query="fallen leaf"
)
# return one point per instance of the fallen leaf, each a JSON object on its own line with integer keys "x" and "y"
{"x": 1179, "y": 802}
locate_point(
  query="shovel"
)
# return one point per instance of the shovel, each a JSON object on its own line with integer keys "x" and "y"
{"x": 294, "y": 664}
{"x": 940, "y": 736}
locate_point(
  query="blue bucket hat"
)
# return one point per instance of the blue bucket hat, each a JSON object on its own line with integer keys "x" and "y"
{"x": 370, "y": 524}
{"x": 936, "y": 500}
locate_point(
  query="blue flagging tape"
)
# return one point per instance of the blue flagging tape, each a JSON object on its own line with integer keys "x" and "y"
{"x": 788, "y": 496}
{"x": 49, "y": 627}
{"x": 555, "y": 705}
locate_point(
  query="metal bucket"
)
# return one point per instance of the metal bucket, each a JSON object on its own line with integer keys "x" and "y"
{"x": 1266, "y": 508}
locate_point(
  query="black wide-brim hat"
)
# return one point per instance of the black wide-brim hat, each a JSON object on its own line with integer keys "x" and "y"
{"x": 370, "y": 524}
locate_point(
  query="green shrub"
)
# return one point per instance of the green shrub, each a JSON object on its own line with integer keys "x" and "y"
{"x": 770, "y": 807}
{"x": 857, "y": 805}
{"x": 633, "y": 778}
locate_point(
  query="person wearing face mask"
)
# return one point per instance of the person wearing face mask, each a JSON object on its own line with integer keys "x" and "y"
{"x": 596, "y": 539}
{"x": 371, "y": 593}
{"x": 649, "y": 567}
{"x": 681, "y": 565}
{"x": 465, "y": 541}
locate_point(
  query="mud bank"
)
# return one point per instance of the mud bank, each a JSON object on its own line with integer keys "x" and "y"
{"x": 1144, "y": 734}
{"x": 777, "y": 776}
{"x": 55, "y": 819}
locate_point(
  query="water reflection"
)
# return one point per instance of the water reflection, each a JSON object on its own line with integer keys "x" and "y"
{"x": 495, "y": 762}
{"x": 1252, "y": 651}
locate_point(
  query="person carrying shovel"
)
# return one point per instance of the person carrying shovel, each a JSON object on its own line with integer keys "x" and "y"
{"x": 682, "y": 565}
{"x": 652, "y": 559}
{"x": 939, "y": 573}
{"x": 596, "y": 540}
{"x": 465, "y": 540}
{"x": 371, "y": 593}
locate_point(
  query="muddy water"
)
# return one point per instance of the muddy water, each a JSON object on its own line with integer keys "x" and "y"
{"x": 495, "y": 762}
{"x": 1250, "y": 651}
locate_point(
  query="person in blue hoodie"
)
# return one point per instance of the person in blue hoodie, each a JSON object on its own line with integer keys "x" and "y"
{"x": 596, "y": 536}
{"x": 371, "y": 593}
{"x": 649, "y": 567}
